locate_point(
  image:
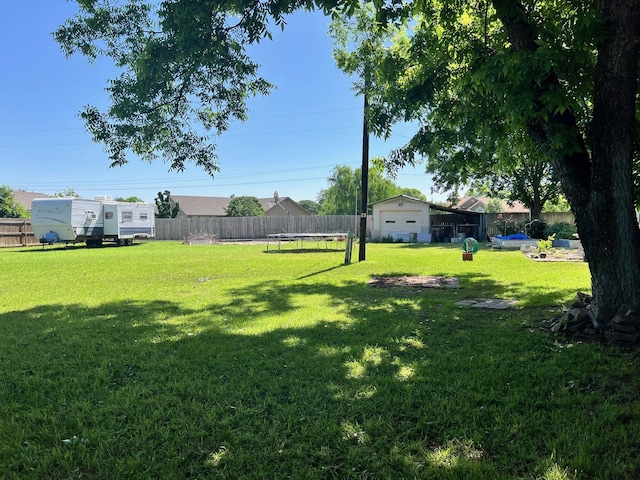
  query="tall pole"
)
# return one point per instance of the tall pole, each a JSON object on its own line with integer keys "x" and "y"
{"x": 365, "y": 183}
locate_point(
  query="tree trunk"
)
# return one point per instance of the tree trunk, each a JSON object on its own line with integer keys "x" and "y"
{"x": 597, "y": 180}
{"x": 606, "y": 220}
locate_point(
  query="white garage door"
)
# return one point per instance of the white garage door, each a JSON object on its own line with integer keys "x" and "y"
{"x": 400, "y": 221}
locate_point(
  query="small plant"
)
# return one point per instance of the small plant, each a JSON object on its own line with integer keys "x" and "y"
{"x": 545, "y": 245}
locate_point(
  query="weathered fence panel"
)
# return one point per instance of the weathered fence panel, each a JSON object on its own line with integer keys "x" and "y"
{"x": 249, "y": 228}
{"x": 493, "y": 219}
{"x": 16, "y": 232}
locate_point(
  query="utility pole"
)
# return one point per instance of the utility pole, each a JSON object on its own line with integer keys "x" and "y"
{"x": 365, "y": 183}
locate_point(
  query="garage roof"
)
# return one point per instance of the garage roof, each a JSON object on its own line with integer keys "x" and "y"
{"x": 433, "y": 206}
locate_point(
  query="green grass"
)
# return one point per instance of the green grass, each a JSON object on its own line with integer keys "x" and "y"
{"x": 163, "y": 360}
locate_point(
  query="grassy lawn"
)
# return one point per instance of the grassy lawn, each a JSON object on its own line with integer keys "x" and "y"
{"x": 165, "y": 361}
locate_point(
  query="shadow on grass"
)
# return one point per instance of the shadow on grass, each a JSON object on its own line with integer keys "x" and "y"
{"x": 396, "y": 388}
{"x": 72, "y": 247}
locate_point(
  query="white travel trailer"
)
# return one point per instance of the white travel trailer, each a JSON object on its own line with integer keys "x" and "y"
{"x": 73, "y": 220}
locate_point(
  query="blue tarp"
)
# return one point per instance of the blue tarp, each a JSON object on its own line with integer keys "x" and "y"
{"x": 514, "y": 236}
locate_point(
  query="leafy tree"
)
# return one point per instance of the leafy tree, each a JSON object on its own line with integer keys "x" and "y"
{"x": 66, "y": 193}
{"x": 129, "y": 199}
{"x": 310, "y": 206}
{"x": 458, "y": 147}
{"x": 9, "y": 206}
{"x": 163, "y": 204}
{"x": 342, "y": 197}
{"x": 415, "y": 193}
{"x": 560, "y": 205}
{"x": 533, "y": 94}
{"x": 245, "y": 206}
{"x": 494, "y": 206}
{"x": 550, "y": 80}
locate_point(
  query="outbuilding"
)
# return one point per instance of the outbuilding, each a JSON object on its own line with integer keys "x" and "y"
{"x": 408, "y": 219}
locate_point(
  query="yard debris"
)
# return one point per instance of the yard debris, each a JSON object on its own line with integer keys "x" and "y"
{"x": 415, "y": 281}
{"x": 585, "y": 320}
{"x": 201, "y": 238}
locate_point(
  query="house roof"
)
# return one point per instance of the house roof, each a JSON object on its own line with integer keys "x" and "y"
{"x": 216, "y": 206}
{"x": 477, "y": 203}
{"x": 433, "y": 206}
{"x": 403, "y": 196}
{"x": 202, "y": 206}
{"x": 25, "y": 198}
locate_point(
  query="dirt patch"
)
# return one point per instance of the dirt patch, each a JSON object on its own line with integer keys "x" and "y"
{"x": 414, "y": 281}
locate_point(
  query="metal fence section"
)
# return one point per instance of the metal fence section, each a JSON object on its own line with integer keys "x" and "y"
{"x": 251, "y": 228}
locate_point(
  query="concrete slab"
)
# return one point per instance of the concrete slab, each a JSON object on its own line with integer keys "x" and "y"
{"x": 493, "y": 303}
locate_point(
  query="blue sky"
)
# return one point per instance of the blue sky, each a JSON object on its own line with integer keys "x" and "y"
{"x": 291, "y": 142}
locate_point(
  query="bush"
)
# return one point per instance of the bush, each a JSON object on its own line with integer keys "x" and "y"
{"x": 536, "y": 229}
{"x": 507, "y": 225}
{"x": 561, "y": 230}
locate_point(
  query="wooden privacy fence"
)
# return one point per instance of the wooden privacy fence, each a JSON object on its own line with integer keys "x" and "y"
{"x": 523, "y": 219}
{"x": 16, "y": 232}
{"x": 248, "y": 228}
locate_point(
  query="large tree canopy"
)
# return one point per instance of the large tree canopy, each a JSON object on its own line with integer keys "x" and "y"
{"x": 555, "y": 80}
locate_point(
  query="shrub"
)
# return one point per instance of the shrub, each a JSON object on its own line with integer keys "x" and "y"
{"x": 536, "y": 229}
{"x": 561, "y": 230}
{"x": 507, "y": 225}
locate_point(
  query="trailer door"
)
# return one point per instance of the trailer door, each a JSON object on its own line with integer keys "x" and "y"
{"x": 110, "y": 220}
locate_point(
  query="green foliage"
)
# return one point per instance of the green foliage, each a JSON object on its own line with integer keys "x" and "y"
{"x": 245, "y": 206}
{"x": 163, "y": 204}
{"x": 310, "y": 206}
{"x": 343, "y": 196}
{"x": 537, "y": 229}
{"x": 494, "y": 206}
{"x": 129, "y": 199}
{"x": 9, "y": 206}
{"x": 414, "y": 193}
{"x": 67, "y": 193}
{"x": 559, "y": 205}
{"x": 561, "y": 230}
{"x": 507, "y": 225}
{"x": 545, "y": 245}
{"x": 421, "y": 70}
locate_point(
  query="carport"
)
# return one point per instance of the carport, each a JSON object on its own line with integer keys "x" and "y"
{"x": 408, "y": 219}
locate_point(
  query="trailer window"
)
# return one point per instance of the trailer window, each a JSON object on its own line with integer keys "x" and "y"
{"x": 143, "y": 216}
{"x": 108, "y": 215}
{"x": 127, "y": 216}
